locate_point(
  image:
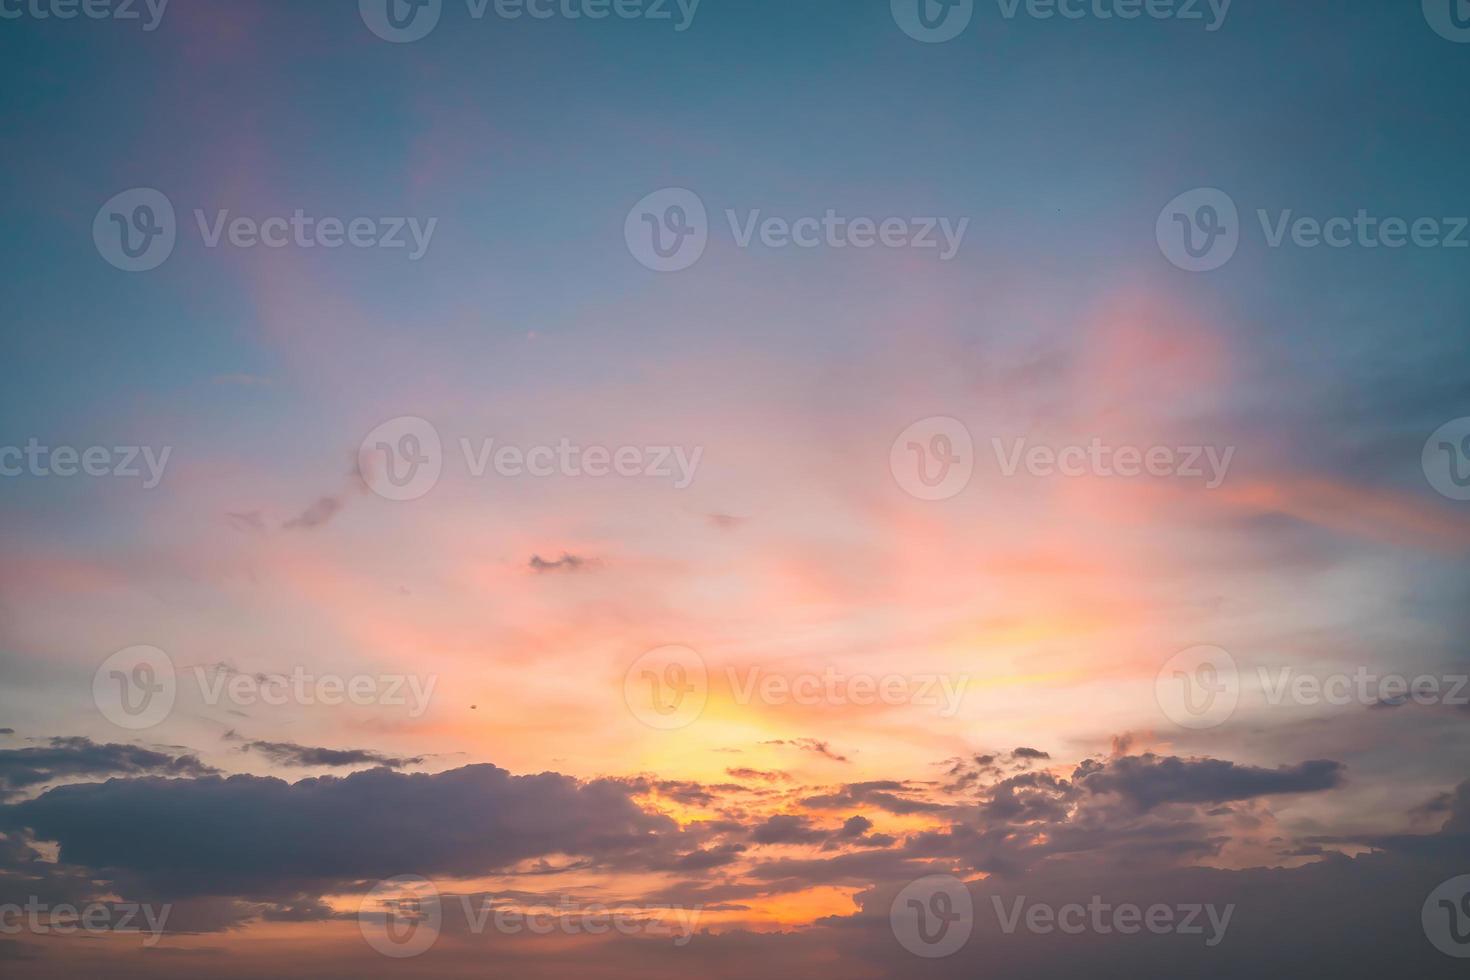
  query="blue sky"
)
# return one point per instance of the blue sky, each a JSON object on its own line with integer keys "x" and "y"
{"x": 799, "y": 386}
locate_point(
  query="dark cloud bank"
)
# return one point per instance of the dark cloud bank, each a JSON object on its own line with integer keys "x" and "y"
{"x": 1129, "y": 829}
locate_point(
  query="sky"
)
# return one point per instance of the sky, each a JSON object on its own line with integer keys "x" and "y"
{"x": 641, "y": 488}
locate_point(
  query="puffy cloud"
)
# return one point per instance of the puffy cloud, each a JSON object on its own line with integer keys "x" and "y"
{"x": 1148, "y": 781}
{"x": 1027, "y": 753}
{"x": 762, "y": 775}
{"x": 566, "y": 563}
{"x": 303, "y": 756}
{"x": 809, "y": 745}
{"x": 787, "y": 828}
{"x": 320, "y": 511}
{"x": 259, "y": 836}
{"x": 63, "y": 758}
{"x": 884, "y": 794}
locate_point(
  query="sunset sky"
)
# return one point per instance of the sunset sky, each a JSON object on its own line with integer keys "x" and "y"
{"x": 749, "y": 680}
